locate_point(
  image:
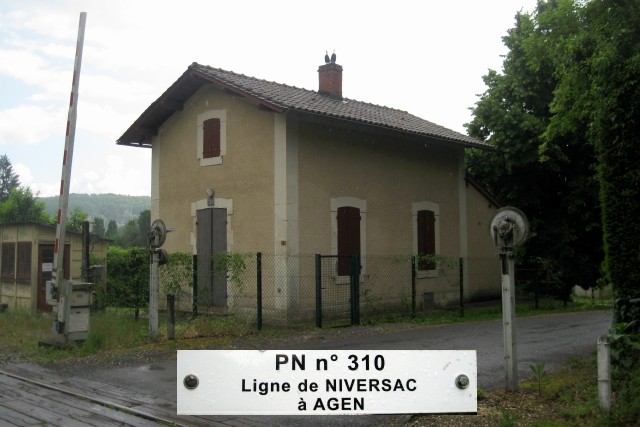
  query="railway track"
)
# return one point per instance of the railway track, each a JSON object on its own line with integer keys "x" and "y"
{"x": 32, "y": 395}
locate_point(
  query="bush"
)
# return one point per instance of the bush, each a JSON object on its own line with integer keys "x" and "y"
{"x": 176, "y": 277}
{"x": 127, "y": 281}
{"x": 625, "y": 355}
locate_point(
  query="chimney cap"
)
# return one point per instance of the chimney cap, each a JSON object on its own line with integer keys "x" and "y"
{"x": 330, "y": 60}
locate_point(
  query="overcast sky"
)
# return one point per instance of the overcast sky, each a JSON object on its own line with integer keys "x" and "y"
{"x": 426, "y": 57}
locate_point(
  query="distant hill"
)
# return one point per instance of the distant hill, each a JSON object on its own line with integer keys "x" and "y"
{"x": 120, "y": 208}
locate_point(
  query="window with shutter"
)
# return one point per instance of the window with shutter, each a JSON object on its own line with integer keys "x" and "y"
{"x": 426, "y": 237}
{"x": 8, "y": 261}
{"x": 23, "y": 272}
{"x": 426, "y": 240}
{"x": 211, "y": 138}
{"x": 348, "y": 237}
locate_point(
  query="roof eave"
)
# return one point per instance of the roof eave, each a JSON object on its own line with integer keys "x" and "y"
{"x": 141, "y": 132}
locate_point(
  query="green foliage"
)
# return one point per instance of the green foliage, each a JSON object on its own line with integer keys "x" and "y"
{"x": 508, "y": 419}
{"x": 625, "y": 346}
{"x": 625, "y": 358}
{"x": 626, "y": 408}
{"x": 234, "y": 264}
{"x": 98, "y": 227}
{"x": 208, "y": 326}
{"x": 176, "y": 277}
{"x": 23, "y": 207}
{"x": 550, "y": 176}
{"x": 134, "y": 234}
{"x": 538, "y": 374}
{"x": 9, "y": 181}
{"x": 112, "y": 229}
{"x": 599, "y": 96}
{"x": 75, "y": 220}
{"x": 127, "y": 277}
{"x": 144, "y": 225}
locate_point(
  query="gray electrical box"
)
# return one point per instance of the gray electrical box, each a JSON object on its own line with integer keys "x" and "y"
{"x": 74, "y": 324}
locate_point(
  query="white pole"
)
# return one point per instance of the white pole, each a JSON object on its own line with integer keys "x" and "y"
{"x": 604, "y": 373}
{"x": 57, "y": 276}
{"x": 509, "y": 321}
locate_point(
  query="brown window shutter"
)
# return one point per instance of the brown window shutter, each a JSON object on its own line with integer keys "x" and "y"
{"x": 8, "y": 261}
{"x": 24, "y": 261}
{"x": 348, "y": 237}
{"x": 211, "y": 138}
{"x": 426, "y": 239}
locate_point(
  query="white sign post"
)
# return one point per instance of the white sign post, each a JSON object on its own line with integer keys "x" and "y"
{"x": 326, "y": 382}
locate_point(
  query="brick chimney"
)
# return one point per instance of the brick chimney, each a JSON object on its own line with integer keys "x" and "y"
{"x": 330, "y": 79}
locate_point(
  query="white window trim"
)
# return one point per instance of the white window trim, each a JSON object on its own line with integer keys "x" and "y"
{"x": 202, "y": 117}
{"x": 339, "y": 202}
{"x": 435, "y": 208}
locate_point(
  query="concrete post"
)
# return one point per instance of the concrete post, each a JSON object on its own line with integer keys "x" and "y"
{"x": 604, "y": 373}
{"x": 509, "y": 321}
{"x": 153, "y": 295}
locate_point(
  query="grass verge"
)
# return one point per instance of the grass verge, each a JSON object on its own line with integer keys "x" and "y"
{"x": 565, "y": 398}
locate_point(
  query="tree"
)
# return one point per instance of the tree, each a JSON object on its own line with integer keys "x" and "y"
{"x": 98, "y": 227}
{"x": 8, "y": 179}
{"x": 75, "y": 220}
{"x": 128, "y": 235}
{"x": 551, "y": 177}
{"x": 135, "y": 233}
{"x": 22, "y": 207}
{"x": 112, "y": 229}
{"x": 144, "y": 225}
{"x": 600, "y": 94}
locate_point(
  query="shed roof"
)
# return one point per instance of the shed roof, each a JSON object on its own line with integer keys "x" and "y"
{"x": 282, "y": 98}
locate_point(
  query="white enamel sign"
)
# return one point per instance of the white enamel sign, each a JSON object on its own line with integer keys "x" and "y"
{"x": 325, "y": 382}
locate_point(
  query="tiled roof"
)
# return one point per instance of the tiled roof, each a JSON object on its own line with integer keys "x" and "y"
{"x": 280, "y": 97}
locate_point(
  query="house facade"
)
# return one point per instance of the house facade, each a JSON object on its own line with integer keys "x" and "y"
{"x": 26, "y": 262}
{"x": 240, "y": 164}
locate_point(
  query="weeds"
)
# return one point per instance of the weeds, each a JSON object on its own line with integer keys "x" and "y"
{"x": 538, "y": 374}
{"x": 508, "y": 419}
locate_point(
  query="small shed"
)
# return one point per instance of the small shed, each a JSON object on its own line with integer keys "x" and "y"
{"x": 26, "y": 262}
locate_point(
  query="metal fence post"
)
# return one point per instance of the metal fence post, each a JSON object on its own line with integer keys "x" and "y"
{"x": 137, "y": 298}
{"x": 355, "y": 289}
{"x": 413, "y": 286}
{"x": 318, "y": 291}
{"x": 194, "y": 311}
{"x": 461, "y": 267}
{"x": 259, "y": 290}
{"x": 171, "y": 317}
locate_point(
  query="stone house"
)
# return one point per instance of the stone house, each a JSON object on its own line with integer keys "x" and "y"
{"x": 241, "y": 164}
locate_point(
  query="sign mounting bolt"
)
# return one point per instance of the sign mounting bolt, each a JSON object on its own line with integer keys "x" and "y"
{"x": 462, "y": 381}
{"x": 190, "y": 381}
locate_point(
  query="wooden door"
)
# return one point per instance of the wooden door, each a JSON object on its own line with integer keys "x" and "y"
{"x": 211, "y": 240}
